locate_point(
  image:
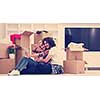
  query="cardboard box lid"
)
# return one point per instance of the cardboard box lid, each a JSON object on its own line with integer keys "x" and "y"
{"x": 77, "y": 50}
{"x": 76, "y": 46}
{"x": 27, "y": 33}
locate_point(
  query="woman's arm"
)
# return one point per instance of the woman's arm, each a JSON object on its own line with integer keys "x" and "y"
{"x": 50, "y": 55}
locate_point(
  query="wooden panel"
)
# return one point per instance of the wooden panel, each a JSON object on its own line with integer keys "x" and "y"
{"x": 38, "y": 26}
{"x": 12, "y": 26}
{"x": 25, "y": 27}
{"x": 51, "y": 26}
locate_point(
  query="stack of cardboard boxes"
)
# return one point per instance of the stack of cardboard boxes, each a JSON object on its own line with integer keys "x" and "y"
{"x": 6, "y": 64}
{"x": 23, "y": 45}
{"x": 74, "y": 63}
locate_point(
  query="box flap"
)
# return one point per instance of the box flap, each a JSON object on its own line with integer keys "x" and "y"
{"x": 77, "y": 49}
{"x": 27, "y": 33}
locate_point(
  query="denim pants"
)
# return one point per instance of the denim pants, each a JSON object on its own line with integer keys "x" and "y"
{"x": 22, "y": 64}
{"x": 29, "y": 66}
{"x": 34, "y": 67}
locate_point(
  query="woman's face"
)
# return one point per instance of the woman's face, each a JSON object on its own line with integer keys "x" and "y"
{"x": 46, "y": 45}
{"x": 43, "y": 47}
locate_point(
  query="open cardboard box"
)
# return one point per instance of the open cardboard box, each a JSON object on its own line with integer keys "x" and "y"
{"x": 74, "y": 54}
{"x": 24, "y": 42}
{"x": 37, "y": 38}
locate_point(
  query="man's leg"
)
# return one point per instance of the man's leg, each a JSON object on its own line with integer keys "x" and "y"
{"x": 31, "y": 67}
{"x": 22, "y": 64}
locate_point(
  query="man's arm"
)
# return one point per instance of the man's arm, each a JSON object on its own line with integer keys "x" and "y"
{"x": 47, "y": 59}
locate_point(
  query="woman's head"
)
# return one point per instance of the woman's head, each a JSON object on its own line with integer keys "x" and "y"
{"x": 48, "y": 42}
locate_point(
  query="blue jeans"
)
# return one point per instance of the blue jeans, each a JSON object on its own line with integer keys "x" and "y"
{"x": 29, "y": 66}
{"x": 24, "y": 62}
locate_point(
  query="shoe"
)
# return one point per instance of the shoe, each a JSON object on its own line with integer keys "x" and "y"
{"x": 14, "y": 73}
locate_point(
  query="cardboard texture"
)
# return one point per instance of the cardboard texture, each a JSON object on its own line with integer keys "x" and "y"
{"x": 76, "y": 46}
{"x": 3, "y": 51}
{"x": 37, "y": 38}
{"x": 74, "y": 66}
{"x": 6, "y": 65}
{"x": 74, "y": 55}
{"x": 24, "y": 42}
{"x": 32, "y": 47}
{"x": 19, "y": 54}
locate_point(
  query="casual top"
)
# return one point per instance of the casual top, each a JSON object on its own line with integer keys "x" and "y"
{"x": 54, "y": 52}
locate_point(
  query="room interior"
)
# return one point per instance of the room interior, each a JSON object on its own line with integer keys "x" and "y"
{"x": 57, "y": 31}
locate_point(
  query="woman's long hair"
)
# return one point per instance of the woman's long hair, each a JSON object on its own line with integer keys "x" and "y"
{"x": 50, "y": 41}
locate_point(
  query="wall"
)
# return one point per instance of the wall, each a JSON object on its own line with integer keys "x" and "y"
{"x": 58, "y": 29}
{"x": 92, "y": 58}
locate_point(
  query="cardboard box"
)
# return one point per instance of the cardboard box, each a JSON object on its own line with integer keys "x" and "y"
{"x": 74, "y": 55}
{"x": 3, "y": 50}
{"x": 74, "y": 66}
{"x": 19, "y": 54}
{"x": 25, "y": 39}
{"x": 24, "y": 42}
{"x": 6, "y": 65}
{"x": 37, "y": 38}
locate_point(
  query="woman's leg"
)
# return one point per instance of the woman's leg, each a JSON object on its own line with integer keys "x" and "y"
{"x": 44, "y": 68}
{"x": 57, "y": 69}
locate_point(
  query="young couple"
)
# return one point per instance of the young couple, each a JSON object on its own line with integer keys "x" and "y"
{"x": 45, "y": 60}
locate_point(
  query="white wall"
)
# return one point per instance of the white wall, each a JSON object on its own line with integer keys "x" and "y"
{"x": 92, "y": 58}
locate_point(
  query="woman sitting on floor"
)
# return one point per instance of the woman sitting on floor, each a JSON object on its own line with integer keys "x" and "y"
{"x": 42, "y": 66}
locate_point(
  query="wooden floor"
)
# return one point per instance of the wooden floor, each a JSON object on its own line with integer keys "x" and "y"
{"x": 87, "y": 73}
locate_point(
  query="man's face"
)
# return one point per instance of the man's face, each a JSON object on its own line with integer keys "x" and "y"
{"x": 40, "y": 43}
